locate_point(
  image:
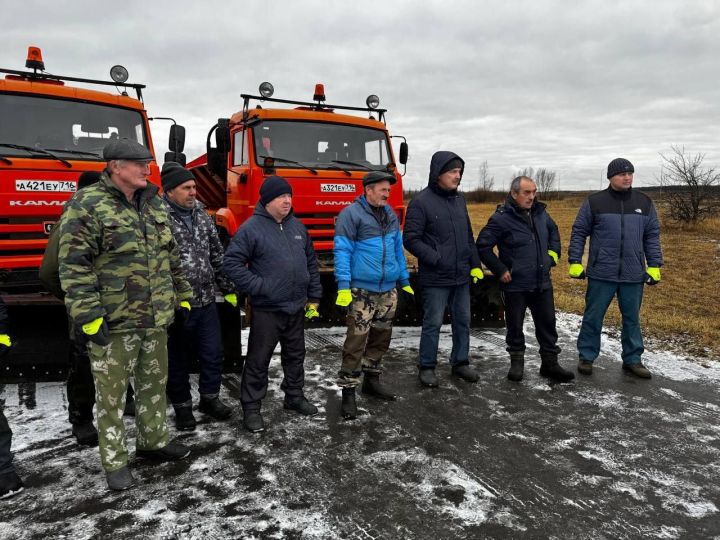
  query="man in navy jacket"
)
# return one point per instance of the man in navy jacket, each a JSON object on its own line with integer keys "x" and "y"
{"x": 369, "y": 266}
{"x": 271, "y": 257}
{"x": 528, "y": 245}
{"x": 624, "y": 234}
{"x": 439, "y": 234}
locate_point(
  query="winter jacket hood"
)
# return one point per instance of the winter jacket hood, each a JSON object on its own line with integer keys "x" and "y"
{"x": 437, "y": 162}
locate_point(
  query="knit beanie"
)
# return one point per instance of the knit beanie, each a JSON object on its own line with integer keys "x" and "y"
{"x": 619, "y": 166}
{"x": 173, "y": 174}
{"x": 272, "y": 188}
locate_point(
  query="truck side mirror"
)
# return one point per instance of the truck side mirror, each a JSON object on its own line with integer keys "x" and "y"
{"x": 177, "y": 157}
{"x": 176, "y": 141}
{"x": 222, "y": 135}
{"x": 217, "y": 162}
{"x": 403, "y": 152}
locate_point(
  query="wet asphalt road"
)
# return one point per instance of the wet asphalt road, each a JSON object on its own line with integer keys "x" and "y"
{"x": 608, "y": 456}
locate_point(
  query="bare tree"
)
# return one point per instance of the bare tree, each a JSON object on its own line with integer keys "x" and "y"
{"x": 486, "y": 182}
{"x": 544, "y": 178}
{"x": 690, "y": 190}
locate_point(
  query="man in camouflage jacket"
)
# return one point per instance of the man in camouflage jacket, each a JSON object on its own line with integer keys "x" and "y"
{"x": 199, "y": 333}
{"x": 121, "y": 273}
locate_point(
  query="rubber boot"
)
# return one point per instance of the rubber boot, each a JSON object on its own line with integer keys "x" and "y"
{"x": 517, "y": 366}
{"x": 373, "y": 387}
{"x": 348, "y": 408}
{"x": 552, "y": 370}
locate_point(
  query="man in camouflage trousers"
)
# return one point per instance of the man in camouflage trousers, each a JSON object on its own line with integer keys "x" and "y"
{"x": 121, "y": 273}
{"x": 369, "y": 266}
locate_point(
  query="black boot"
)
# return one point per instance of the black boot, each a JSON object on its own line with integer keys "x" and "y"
{"x": 184, "y": 418}
{"x": 85, "y": 433}
{"x": 373, "y": 387}
{"x": 348, "y": 409}
{"x": 552, "y": 370}
{"x": 215, "y": 408}
{"x": 517, "y": 366}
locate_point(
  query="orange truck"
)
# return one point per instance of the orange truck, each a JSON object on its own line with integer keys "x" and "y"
{"x": 51, "y": 131}
{"x": 322, "y": 150}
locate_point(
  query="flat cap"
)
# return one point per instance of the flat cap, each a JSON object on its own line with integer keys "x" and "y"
{"x": 126, "y": 149}
{"x": 378, "y": 176}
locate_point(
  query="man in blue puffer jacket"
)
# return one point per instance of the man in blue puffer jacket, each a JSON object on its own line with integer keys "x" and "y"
{"x": 271, "y": 257}
{"x": 369, "y": 265}
{"x": 528, "y": 245}
{"x": 439, "y": 234}
{"x": 624, "y": 234}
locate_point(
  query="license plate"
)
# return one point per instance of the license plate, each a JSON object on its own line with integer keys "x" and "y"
{"x": 46, "y": 185}
{"x": 337, "y": 188}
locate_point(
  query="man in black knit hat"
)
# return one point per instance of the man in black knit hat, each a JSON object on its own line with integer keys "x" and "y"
{"x": 198, "y": 332}
{"x": 271, "y": 257}
{"x": 624, "y": 233}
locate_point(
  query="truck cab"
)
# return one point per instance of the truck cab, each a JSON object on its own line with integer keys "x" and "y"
{"x": 321, "y": 150}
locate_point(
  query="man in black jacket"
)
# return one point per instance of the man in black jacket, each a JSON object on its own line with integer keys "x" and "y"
{"x": 528, "y": 244}
{"x": 10, "y": 483}
{"x": 271, "y": 257}
{"x": 438, "y": 232}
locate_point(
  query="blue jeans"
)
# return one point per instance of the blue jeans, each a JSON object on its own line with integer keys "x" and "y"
{"x": 457, "y": 299}
{"x": 200, "y": 335}
{"x": 6, "y": 464}
{"x": 597, "y": 300}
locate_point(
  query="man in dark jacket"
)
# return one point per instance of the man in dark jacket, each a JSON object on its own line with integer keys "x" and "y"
{"x": 271, "y": 257}
{"x": 10, "y": 483}
{"x": 201, "y": 254}
{"x": 438, "y": 232}
{"x": 528, "y": 245}
{"x": 624, "y": 234}
{"x": 369, "y": 267}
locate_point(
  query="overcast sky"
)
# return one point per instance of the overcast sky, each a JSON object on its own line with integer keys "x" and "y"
{"x": 563, "y": 85}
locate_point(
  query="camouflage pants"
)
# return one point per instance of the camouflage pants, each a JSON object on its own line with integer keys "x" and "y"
{"x": 369, "y": 329}
{"x": 141, "y": 352}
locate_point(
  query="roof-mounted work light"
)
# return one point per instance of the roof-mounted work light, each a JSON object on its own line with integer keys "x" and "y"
{"x": 119, "y": 74}
{"x": 34, "y": 59}
{"x": 266, "y": 90}
{"x": 319, "y": 92}
{"x": 373, "y": 101}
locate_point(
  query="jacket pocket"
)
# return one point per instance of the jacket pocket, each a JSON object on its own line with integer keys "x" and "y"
{"x": 113, "y": 297}
{"x": 119, "y": 237}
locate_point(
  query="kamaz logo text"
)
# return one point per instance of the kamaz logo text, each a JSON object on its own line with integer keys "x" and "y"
{"x": 332, "y": 203}
{"x": 36, "y": 203}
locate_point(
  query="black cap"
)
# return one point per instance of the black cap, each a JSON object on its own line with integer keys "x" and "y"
{"x": 88, "y": 178}
{"x": 378, "y": 176}
{"x": 173, "y": 174}
{"x": 272, "y": 188}
{"x": 455, "y": 163}
{"x": 126, "y": 149}
{"x": 619, "y": 166}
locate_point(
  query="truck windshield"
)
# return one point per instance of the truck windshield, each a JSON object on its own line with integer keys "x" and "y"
{"x": 321, "y": 145}
{"x": 67, "y": 128}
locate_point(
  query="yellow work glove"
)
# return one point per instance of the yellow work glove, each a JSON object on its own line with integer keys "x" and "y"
{"x": 231, "y": 299}
{"x": 408, "y": 289}
{"x": 576, "y": 271}
{"x": 5, "y": 344}
{"x": 311, "y": 311}
{"x": 553, "y": 256}
{"x": 185, "y": 305}
{"x": 477, "y": 274}
{"x": 97, "y": 331}
{"x": 344, "y": 298}
{"x": 652, "y": 275}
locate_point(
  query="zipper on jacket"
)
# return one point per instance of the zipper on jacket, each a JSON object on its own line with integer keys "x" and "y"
{"x": 622, "y": 236}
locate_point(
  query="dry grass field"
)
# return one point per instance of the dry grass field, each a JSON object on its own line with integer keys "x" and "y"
{"x": 683, "y": 310}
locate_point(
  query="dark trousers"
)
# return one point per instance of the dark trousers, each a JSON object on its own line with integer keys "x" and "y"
{"x": 267, "y": 328}
{"x": 542, "y": 309}
{"x": 198, "y": 337}
{"x": 80, "y": 384}
{"x": 6, "y": 464}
